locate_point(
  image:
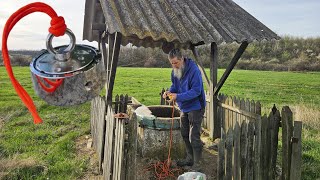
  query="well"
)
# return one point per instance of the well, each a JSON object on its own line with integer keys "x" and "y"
{"x": 154, "y": 123}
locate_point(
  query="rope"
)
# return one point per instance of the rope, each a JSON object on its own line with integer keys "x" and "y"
{"x": 57, "y": 28}
{"x": 163, "y": 170}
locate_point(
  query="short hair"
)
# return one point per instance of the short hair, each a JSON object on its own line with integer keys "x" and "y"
{"x": 175, "y": 53}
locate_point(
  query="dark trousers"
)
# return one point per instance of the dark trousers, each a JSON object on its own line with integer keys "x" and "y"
{"x": 190, "y": 126}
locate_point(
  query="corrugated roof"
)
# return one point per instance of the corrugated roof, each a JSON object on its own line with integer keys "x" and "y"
{"x": 151, "y": 23}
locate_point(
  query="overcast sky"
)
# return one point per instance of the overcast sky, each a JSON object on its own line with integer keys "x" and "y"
{"x": 285, "y": 17}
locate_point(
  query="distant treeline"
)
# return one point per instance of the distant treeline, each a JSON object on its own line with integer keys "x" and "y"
{"x": 287, "y": 54}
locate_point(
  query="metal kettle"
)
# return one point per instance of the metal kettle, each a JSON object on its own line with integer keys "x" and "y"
{"x": 80, "y": 67}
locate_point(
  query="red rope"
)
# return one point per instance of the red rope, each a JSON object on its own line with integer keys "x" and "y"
{"x": 163, "y": 170}
{"x": 57, "y": 28}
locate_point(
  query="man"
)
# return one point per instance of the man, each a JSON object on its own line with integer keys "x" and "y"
{"x": 187, "y": 90}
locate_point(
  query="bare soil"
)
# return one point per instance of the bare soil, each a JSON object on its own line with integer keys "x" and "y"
{"x": 209, "y": 162}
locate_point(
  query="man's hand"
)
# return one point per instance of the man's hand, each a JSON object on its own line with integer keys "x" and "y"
{"x": 165, "y": 94}
{"x": 172, "y": 96}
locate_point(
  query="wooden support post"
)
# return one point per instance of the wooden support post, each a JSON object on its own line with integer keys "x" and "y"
{"x": 215, "y": 123}
{"x": 114, "y": 41}
{"x": 233, "y": 62}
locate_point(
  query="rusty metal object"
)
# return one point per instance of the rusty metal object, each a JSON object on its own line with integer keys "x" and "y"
{"x": 121, "y": 116}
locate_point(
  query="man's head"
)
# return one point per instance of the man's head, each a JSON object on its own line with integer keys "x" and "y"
{"x": 177, "y": 62}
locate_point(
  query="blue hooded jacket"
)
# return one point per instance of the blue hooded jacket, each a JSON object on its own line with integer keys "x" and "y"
{"x": 189, "y": 89}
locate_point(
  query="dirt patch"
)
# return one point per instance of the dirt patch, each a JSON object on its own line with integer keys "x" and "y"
{"x": 209, "y": 163}
{"x": 84, "y": 149}
{"x": 7, "y": 165}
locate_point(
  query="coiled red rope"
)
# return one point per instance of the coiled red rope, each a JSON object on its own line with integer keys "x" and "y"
{"x": 163, "y": 170}
{"x": 57, "y": 28}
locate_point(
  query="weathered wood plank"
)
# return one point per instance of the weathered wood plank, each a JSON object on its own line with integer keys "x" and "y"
{"x": 230, "y": 112}
{"x": 252, "y": 107}
{"x": 247, "y": 108}
{"x": 117, "y": 104}
{"x": 109, "y": 146}
{"x": 234, "y": 114}
{"x": 100, "y": 121}
{"x": 236, "y": 150}
{"x": 257, "y": 145}
{"x": 242, "y": 108}
{"x": 240, "y": 111}
{"x": 263, "y": 154}
{"x": 131, "y": 146}
{"x": 258, "y": 108}
{"x": 113, "y": 61}
{"x": 274, "y": 119}
{"x": 243, "y": 150}
{"x": 268, "y": 148}
{"x": 116, "y": 151}
{"x": 226, "y": 114}
{"x": 215, "y": 123}
{"x": 250, "y": 153}
{"x": 120, "y": 149}
{"x": 162, "y": 100}
{"x": 295, "y": 172}
{"x": 229, "y": 148}
{"x": 287, "y": 132}
{"x": 221, "y": 156}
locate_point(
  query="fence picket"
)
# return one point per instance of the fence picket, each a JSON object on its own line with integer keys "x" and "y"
{"x": 250, "y": 153}
{"x": 231, "y": 120}
{"x": 126, "y": 100}
{"x": 221, "y": 158}
{"x": 295, "y": 172}
{"x": 274, "y": 119}
{"x": 117, "y": 104}
{"x": 263, "y": 157}
{"x": 287, "y": 127}
{"x": 121, "y": 107}
{"x": 242, "y": 107}
{"x": 243, "y": 150}
{"x": 229, "y": 146}
{"x": 237, "y": 155}
{"x": 162, "y": 100}
{"x": 234, "y": 104}
{"x": 268, "y": 148}
{"x": 258, "y": 108}
{"x": 257, "y": 147}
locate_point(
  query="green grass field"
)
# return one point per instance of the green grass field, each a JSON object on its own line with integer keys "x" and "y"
{"x": 49, "y": 150}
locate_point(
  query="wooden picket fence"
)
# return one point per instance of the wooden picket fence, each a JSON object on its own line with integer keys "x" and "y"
{"x": 230, "y": 110}
{"x": 248, "y": 150}
{"x": 111, "y": 133}
{"x": 248, "y": 146}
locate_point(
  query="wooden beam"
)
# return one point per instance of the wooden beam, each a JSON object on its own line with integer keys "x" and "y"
{"x": 113, "y": 62}
{"x": 215, "y": 124}
{"x": 233, "y": 62}
{"x": 200, "y": 65}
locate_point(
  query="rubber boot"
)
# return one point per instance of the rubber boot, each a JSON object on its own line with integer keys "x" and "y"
{"x": 197, "y": 157}
{"x": 188, "y": 161}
